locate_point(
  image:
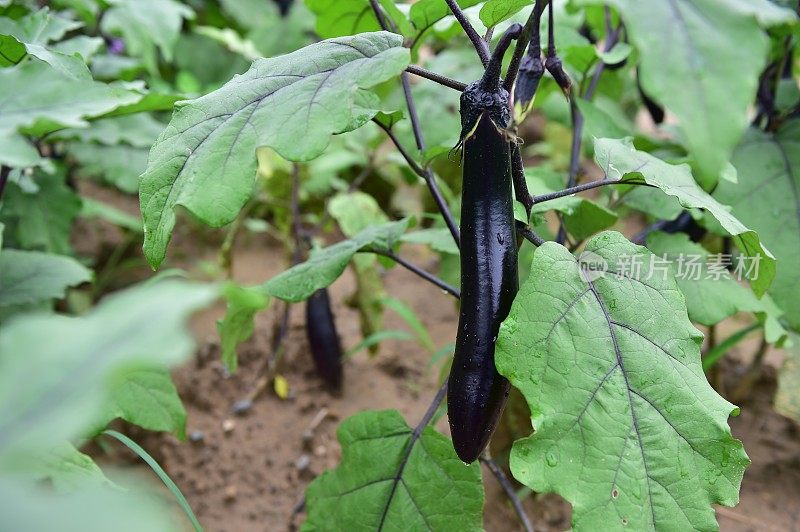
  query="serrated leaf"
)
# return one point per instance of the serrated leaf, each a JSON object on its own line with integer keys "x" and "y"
{"x": 325, "y": 265}
{"x": 767, "y": 199}
{"x": 391, "y": 479}
{"x": 29, "y": 277}
{"x": 147, "y": 398}
{"x": 146, "y": 26}
{"x": 56, "y": 391}
{"x": 237, "y": 324}
{"x": 620, "y": 160}
{"x": 627, "y": 428}
{"x": 336, "y": 18}
{"x": 36, "y": 99}
{"x": 692, "y": 61}
{"x": 205, "y": 160}
{"x": 42, "y": 219}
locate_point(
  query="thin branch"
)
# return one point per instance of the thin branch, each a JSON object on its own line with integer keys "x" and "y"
{"x": 412, "y": 112}
{"x": 529, "y": 31}
{"x": 379, "y": 15}
{"x": 521, "y": 191}
{"x": 529, "y": 234}
{"x": 585, "y": 186}
{"x": 491, "y": 76}
{"x": 477, "y": 42}
{"x": 417, "y": 270}
{"x": 430, "y": 180}
{"x": 4, "y": 173}
{"x": 438, "y": 78}
{"x": 502, "y": 479}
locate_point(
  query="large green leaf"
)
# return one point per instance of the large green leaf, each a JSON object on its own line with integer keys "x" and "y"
{"x": 391, "y": 478}
{"x": 626, "y": 427}
{"x": 120, "y": 166}
{"x": 28, "y": 277}
{"x": 100, "y": 508}
{"x": 38, "y": 100}
{"x": 146, "y": 25}
{"x": 55, "y": 371}
{"x": 205, "y": 160}
{"x": 494, "y": 12}
{"x": 767, "y": 199}
{"x": 425, "y": 13}
{"x": 41, "y": 219}
{"x": 693, "y": 61}
{"x": 140, "y": 130}
{"x": 325, "y": 265}
{"x": 66, "y": 468}
{"x": 620, "y": 160}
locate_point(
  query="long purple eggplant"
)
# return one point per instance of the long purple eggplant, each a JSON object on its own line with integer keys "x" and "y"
{"x": 325, "y": 347}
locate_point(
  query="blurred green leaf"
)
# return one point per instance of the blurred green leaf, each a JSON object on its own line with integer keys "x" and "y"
{"x": 28, "y": 277}
{"x": 237, "y": 324}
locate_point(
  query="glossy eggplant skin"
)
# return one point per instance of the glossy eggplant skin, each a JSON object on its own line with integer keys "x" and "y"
{"x": 325, "y": 347}
{"x": 489, "y": 282}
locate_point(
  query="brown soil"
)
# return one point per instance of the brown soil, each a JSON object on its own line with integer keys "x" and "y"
{"x": 248, "y": 473}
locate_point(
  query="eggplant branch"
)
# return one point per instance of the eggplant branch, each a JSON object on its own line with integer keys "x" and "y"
{"x": 438, "y": 78}
{"x": 502, "y": 479}
{"x": 490, "y": 81}
{"x": 477, "y": 42}
{"x": 455, "y": 292}
{"x": 585, "y": 186}
{"x": 429, "y": 178}
{"x": 529, "y": 234}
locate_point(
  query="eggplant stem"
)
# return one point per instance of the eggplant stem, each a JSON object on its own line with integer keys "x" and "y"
{"x": 455, "y": 292}
{"x": 490, "y": 81}
{"x": 508, "y": 488}
{"x": 438, "y": 78}
{"x": 477, "y": 42}
{"x": 529, "y": 234}
{"x": 530, "y": 33}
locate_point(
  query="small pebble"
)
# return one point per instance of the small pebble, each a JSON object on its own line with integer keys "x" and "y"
{"x": 321, "y": 450}
{"x": 228, "y": 425}
{"x": 303, "y": 462}
{"x": 230, "y": 493}
{"x": 242, "y": 407}
{"x": 196, "y": 436}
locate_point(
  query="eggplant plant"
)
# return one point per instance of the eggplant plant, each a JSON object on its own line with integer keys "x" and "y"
{"x": 601, "y": 181}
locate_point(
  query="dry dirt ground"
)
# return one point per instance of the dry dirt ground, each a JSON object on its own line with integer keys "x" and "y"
{"x": 248, "y": 473}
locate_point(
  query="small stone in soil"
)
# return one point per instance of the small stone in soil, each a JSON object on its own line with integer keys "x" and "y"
{"x": 230, "y": 493}
{"x": 303, "y": 462}
{"x": 228, "y": 425}
{"x": 196, "y": 436}
{"x": 242, "y": 407}
{"x": 321, "y": 450}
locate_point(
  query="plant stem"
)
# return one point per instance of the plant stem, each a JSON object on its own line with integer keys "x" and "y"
{"x": 491, "y": 76}
{"x": 502, "y": 479}
{"x": 521, "y": 191}
{"x": 438, "y": 78}
{"x": 529, "y": 31}
{"x": 430, "y": 180}
{"x": 379, "y": 14}
{"x": 477, "y": 42}
{"x": 412, "y": 111}
{"x": 417, "y": 270}
{"x": 529, "y": 234}
{"x": 580, "y": 188}
{"x": 4, "y": 173}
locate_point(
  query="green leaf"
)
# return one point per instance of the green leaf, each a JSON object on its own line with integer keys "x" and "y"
{"x": 38, "y": 99}
{"x": 425, "y": 13}
{"x": 713, "y": 355}
{"x": 326, "y": 265}
{"x": 41, "y": 219}
{"x": 120, "y": 166}
{"x": 28, "y": 277}
{"x": 377, "y": 338}
{"x": 767, "y": 199}
{"x": 31, "y": 34}
{"x": 619, "y": 53}
{"x": 356, "y": 211}
{"x": 336, "y": 18}
{"x": 65, "y": 467}
{"x": 146, "y": 25}
{"x": 787, "y": 400}
{"x": 147, "y": 398}
{"x": 693, "y": 61}
{"x": 626, "y": 427}
{"x": 439, "y": 239}
{"x": 139, "y": 130}
{"x": 57, "y": 390}
{"x": 412, "y": 320}
{"x": 392, "y": 479}
{"x": 96, "y": 209}
{"x": 237, "y": 324}
{"x": 494, "y": 12}
{"x": 101, "y": 508}
{"x": 620, "y": 160}
{"x": 205, "y": 160}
